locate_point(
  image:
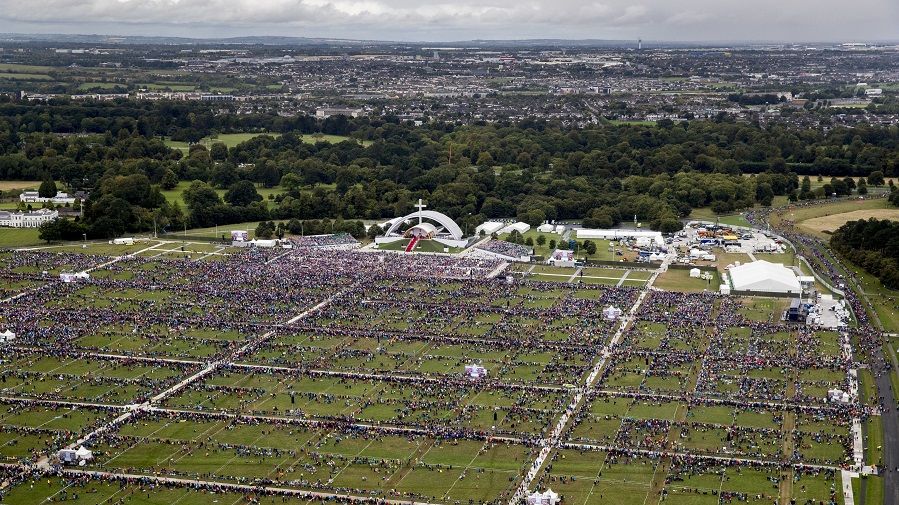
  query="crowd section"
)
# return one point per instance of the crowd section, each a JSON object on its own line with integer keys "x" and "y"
{"x": 867, "y": 334}
{"x": 327, "y": 241}
{"x": 505, "y": 248}
{"x": 368, "y": 346}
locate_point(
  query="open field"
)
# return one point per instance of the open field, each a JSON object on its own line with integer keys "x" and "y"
{"x": 8, "y": 185}
{"x": 177, "y": 193}
{"x": 799, "y": 214}
{"x": 706, "y": 214}
{"x": 831, "y": 222}
{"x": 19, "y": 237}
{"x": 232, "y": 139}
{"x": 676, "y": 279}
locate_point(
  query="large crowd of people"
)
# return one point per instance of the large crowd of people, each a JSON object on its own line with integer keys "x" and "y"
{"x": 392, "y": 333}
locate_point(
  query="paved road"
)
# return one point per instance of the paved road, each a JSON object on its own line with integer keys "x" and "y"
{"x": 890, "y": 420}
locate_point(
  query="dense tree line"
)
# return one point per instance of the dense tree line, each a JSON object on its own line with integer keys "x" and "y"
{"x": 873, "y": 245}
{"x": 532, "y": 171}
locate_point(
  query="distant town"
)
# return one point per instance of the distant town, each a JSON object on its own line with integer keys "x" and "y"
{"x": 793, "y": 85}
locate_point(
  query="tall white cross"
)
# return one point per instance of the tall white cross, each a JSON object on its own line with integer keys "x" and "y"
{"x": 420, "y": 206}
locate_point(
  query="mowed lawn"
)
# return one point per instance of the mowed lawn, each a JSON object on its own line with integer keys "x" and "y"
{"x": 9, "y": 185}
{"x": 19, "y": 237}
{"x": 830, "y": 223}
{"x": 676, "y": 279}
{"x": 800, "y": 215}
{"x": 706, "y": 214}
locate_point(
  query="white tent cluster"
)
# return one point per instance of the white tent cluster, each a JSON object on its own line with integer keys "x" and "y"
{"x": 549, "y": 228}
{"x": 475, "y": 371}
{"x": 611, "y": 313}
{"x": 70, "y": 277}
{"x": 700, "y": 254}
{"x": 78, "y": 456}
{"x": 547, "y": 497}
{"x": 641, "y": 238}
{"x": 7, "y": 336}
{"x": 838, "y": 396}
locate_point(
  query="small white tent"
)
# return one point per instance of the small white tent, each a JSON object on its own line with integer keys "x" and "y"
{"x": 547, "y": 497}
{"x": 611, "y": 313}
{"x": 7, "y": 336}
{"x": 694, "y": 272}
{"x": 84, "y": 454}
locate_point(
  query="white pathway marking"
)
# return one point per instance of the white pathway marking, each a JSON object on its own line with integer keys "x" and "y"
{"x": 623, "y": 278}
{"x": 498, "y": 270}
{"x": 120, "y": 258}
{"x": 210, "y": 367}
{"x": 858, "y": 444}
{"x": 848, "y": 494}
{"x": 575, "y": 274}
{"x": 242, "y": 488}
{"x": 555, "y": 435}
{"x": 276, "y": 258}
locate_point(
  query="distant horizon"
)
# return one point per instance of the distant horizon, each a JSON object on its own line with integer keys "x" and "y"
{"x": 53, "y": 36}
{"x": 442, "y": 21}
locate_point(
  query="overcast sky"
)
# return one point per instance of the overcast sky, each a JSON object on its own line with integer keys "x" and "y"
{"x": 447, "y": 20}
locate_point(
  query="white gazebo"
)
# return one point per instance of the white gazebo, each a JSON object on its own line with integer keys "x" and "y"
{"x": 695, "y": 273}
{"x": 7, "y": 336}
{"x": 547, "y": 497}
{"x": 611, "y": 313}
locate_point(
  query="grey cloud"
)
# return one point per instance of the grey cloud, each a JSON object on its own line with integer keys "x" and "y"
{"x": 449, "y": 19}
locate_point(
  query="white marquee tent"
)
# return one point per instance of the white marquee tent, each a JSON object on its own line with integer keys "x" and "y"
{"x": 764, "y": 276}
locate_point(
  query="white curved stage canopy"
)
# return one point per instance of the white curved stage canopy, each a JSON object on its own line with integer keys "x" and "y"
{"x": 442, "y": 219}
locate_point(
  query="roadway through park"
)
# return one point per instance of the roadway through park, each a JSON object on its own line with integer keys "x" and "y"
{"x": 550, "y": 443}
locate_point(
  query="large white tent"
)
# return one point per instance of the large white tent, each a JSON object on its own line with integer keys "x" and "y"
{"x": 764, "y": 276}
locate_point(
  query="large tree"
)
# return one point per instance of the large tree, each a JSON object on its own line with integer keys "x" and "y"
{"x": 242, "y": 194}
{"x": 47, "y": 189}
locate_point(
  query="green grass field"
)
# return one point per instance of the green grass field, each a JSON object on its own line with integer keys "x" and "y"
{"x": 8, "y": 185}
{"x": 706, "y": 214}
{"x": 24, "y": 76}
{"x": 676, "y": 279}
{"x": 176, "y": 195}
{"x": 19, "y": 237}
{"x": 85, "y": 86}
{"x": 233, "y": 139}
